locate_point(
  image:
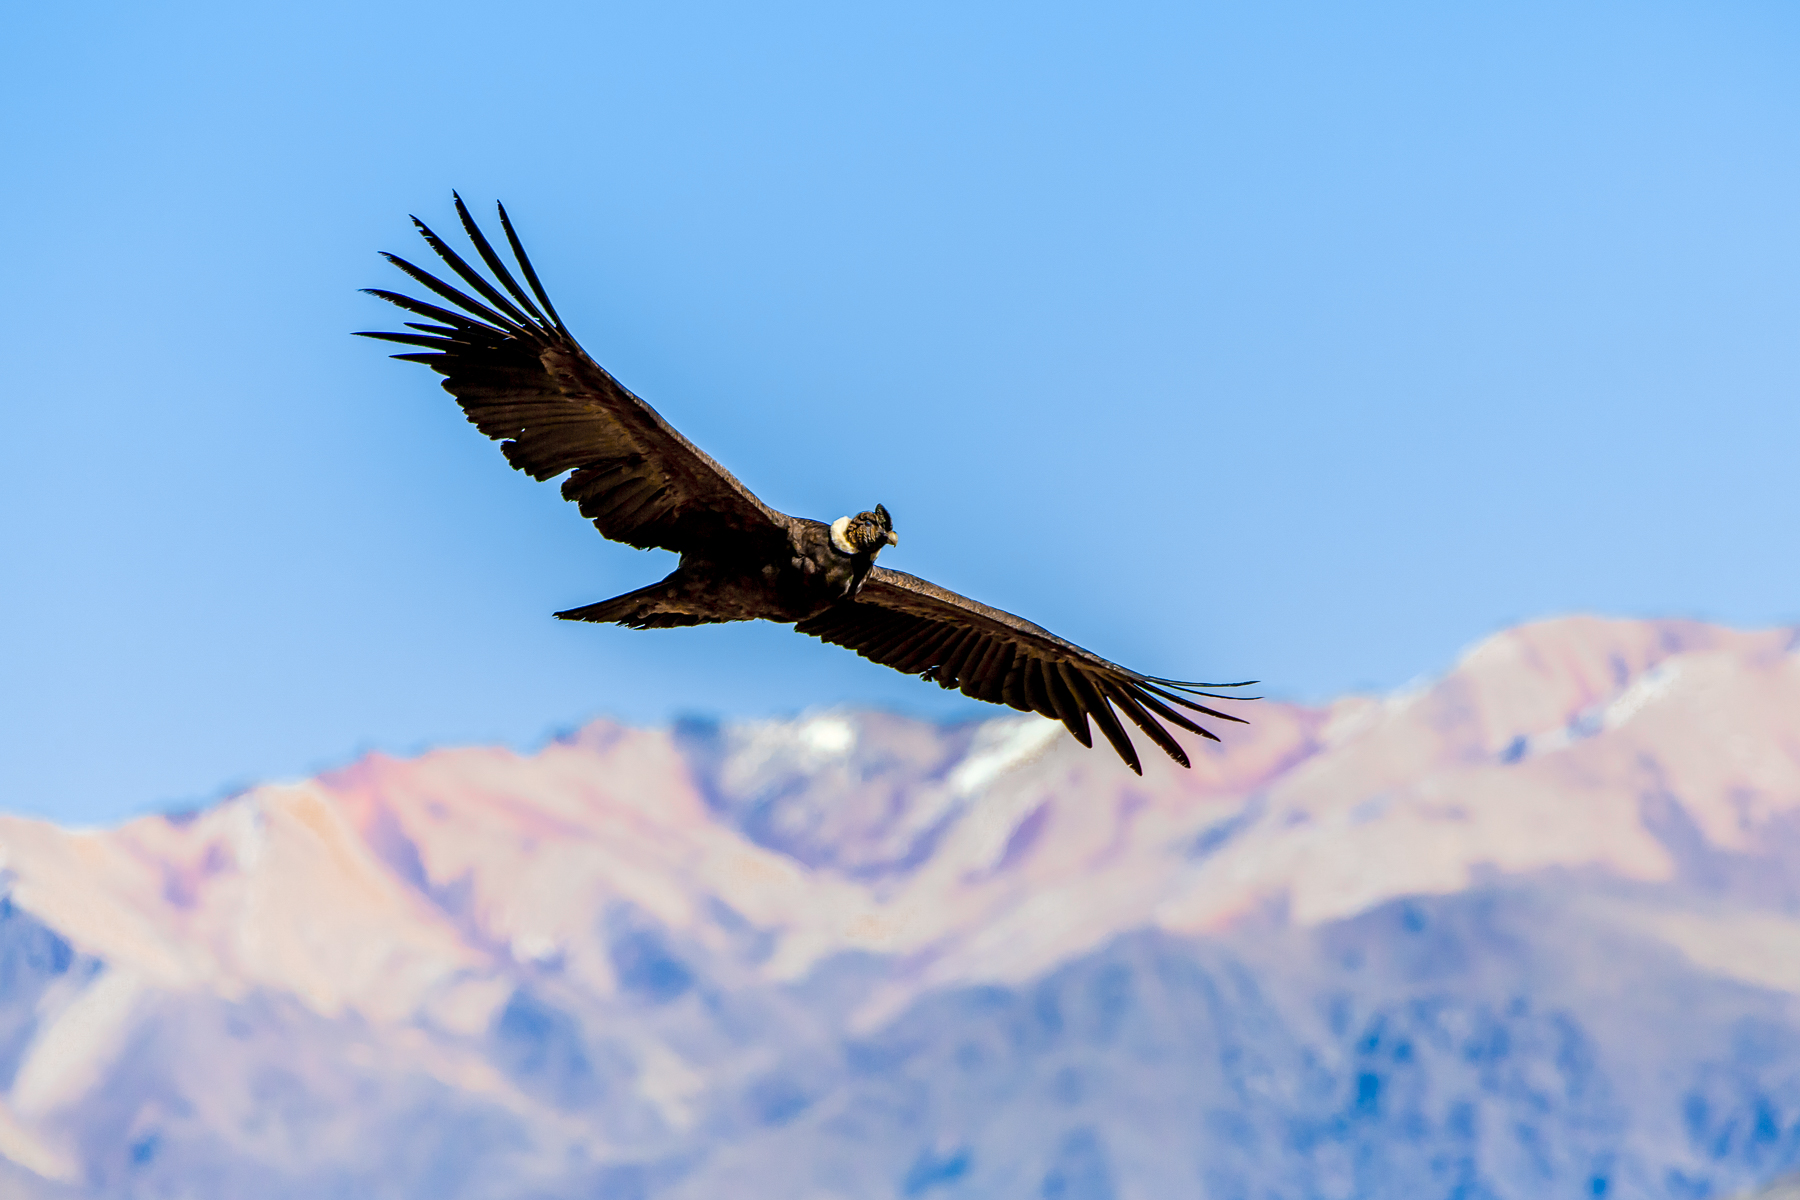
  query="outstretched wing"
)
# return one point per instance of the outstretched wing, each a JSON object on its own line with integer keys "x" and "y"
{"x": 522, "y": 379}
{"x": 906, "y": 623}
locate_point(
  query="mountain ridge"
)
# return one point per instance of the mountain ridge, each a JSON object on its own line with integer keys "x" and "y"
{"x": 647, "y": 954}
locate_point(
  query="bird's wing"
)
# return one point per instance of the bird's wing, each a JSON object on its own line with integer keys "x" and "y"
{"x": 914, "y": 626}
{"x": 522, "y": 379}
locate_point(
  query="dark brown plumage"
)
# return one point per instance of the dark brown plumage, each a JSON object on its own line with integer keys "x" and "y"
{"x": 522, "y": 379}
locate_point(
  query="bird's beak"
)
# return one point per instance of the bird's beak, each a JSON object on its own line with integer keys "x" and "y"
{"x": 893, "y": 538}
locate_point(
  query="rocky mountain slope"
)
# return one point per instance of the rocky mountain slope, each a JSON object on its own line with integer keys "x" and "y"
{"x": 1532, "y": 930}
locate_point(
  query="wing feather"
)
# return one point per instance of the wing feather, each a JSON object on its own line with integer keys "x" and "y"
{"x": 531, "y": 275}
{"x": 1122, "y": 701}
{"x": 1032, "y": 677}
{"x": 494, "y": 262}
{"x": 917, "y": 627}
{"x": 524, "y": 381}
{"x": 1067, "y": 705}
{"x": 459, "y": 324}
{"x": 919, "y": 654}
{"x": 995, "y": 670}
{"x": 897, "y": 633}
{"x": 1007, "y": 672}
{"x": 1199, "y": 708}
{"x": 1173, "y": 717}
{"x": 957, "y": 657}
{"x": 1102, "y": 712}
{"x": 469, "y": 275}
{"x": 461, "y": 299}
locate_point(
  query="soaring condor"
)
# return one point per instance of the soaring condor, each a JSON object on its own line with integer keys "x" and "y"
{"x": 523, "y": 380}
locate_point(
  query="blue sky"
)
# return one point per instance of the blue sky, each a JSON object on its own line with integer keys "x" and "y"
{"x": 1300, "y": 341}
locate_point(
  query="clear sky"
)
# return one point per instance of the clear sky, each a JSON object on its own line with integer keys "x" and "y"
{"x": 1300, "y": 341}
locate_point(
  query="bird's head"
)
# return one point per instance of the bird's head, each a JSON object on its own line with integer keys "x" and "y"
{"x": 866, "y": 533}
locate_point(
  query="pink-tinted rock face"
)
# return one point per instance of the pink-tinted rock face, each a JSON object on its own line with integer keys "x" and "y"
{"x": 512, "y": 936}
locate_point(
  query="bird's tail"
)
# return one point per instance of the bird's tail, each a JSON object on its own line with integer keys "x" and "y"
{"x": 659, "y": 606}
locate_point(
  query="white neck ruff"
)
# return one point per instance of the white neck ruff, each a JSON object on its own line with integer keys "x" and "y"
{"x": 839, "y": 539}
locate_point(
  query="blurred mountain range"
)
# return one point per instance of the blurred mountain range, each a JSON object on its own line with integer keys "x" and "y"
{"x": 1531, "y": 930}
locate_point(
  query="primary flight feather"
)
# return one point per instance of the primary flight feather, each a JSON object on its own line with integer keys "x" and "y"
{"x": 523, "y": 380}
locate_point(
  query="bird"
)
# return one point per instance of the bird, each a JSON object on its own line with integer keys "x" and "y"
{"x": 523, "y": 380}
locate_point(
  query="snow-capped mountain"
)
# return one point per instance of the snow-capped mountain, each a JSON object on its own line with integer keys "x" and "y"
{"x": 1530, "y": 930}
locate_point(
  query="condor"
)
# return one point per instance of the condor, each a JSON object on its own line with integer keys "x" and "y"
{"x": 522, "y": 379}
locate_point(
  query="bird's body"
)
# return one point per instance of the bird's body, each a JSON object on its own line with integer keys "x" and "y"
{"x": 522, "y": 379}
{"x": 790, "y": 583}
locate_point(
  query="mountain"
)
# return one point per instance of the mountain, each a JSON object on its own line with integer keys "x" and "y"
{"x": 1531, "y": 930}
